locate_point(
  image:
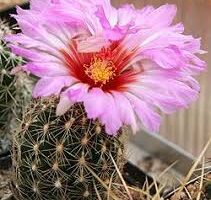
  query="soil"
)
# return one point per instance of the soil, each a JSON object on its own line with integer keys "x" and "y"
{"x": 191, "y": 191}
{"x": 155, "y": 167}
{"x": 5, "y": 193}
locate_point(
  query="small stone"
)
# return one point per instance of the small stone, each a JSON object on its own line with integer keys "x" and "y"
{"x": 84, "y": 140}
{"x": 98, "y": 129}
{"x": 34, "y": 167}
{"x": 81, "y": 179}
{"x": 35, "y": 188}
{"x": 3, "y": 71}
{"x": 55, "y": 166}
{"x": 12, "y": 56}
{"x": 27, "y": 125}
{"x": 82, "y": 160}
{"x": 44, "y": 107}
{"x": 86, "y": 193}
{"x": 60, "y": 148}
{"x": 7, "y": 196}
{"x": 69, "y": 123}
{"x": 84, "y": 119}
{"x": 45, "y": 128}
{"x": 104, "y": 148}
{"x": 209, "y": 177}
{"x": 179, "y": 196}
{"x": 105, "y": 167}
{"x": 36, "y": 148}
{"x": 58, "y": 184}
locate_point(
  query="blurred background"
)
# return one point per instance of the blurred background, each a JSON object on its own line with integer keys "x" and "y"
{"x": 190, "y": 129}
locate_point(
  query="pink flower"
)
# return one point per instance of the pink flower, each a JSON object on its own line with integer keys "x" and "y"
{"x": 124, "y": 64}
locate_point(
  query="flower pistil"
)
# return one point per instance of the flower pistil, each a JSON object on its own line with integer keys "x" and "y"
{"x": 100, "y": 70}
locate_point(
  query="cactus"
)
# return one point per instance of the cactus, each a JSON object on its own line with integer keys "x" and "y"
{"x": 15, "y": 91}
{"x": 7, "y": 86}
{"x": 53, "y": 155}
{"x": 7, "y": 82}
{"x": 207, "y": 186}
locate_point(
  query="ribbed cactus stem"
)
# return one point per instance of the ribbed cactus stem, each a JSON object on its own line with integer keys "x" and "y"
{"x": 15, "y": 91}
{"x": 53, "y": 155}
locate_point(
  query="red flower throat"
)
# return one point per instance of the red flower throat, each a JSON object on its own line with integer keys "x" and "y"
{"x": 104, "y": 69}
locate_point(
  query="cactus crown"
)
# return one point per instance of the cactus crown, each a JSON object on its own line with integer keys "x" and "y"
{"x": 53, "y": 154}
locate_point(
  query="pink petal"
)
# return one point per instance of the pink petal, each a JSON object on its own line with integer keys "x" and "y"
{"x": 166, "y": 58}
{"x": 17, "y": 69}
{"x": 31, "y": 24}
{"x": 39, "y": 5}
{"x": 112, "y": 32}
{"x": 31, "y": 54}
{"x": 64, "y": 105}
{"x": 44, "y": 69}
{"x": 126, "y": 14}
{"x": 178, "y": 89}
{"x": 163, "y": 16}
{"x": 48, "y": 86}
{"x": 125, "y": 110}
{"x": 101, "y": 105}
{"x": 146, "y": 11}
{"x": 92, "y": 44}
{"x": 111, "y": 118}
{"x": 31, "y": 43}
{"x": 26, "y": 53}
{"x": 100, "y": 13}
{"x": 149, "y": 118}
{"x": 98, "y": 97}
{"x": 107, "y": 13}
{"x": 70, "y": 96}
{"x": 77, "y": 92}
{"x": 164, "y": 101}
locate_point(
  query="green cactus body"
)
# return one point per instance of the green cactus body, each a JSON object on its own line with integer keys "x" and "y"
{"x": 15, "y": 91}
{"x": 55, "y": 157}
{"x": 207, "y": 189}
{"x": 7, "y": 84}
{"x": 7, "y": 93}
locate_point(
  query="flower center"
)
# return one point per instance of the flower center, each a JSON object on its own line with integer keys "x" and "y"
{"x": 100, "y": 70}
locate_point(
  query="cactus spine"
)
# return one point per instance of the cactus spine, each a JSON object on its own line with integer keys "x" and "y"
{"x": 53, "y": 155}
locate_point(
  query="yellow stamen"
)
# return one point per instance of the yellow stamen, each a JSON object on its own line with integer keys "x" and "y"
{"x": 100, "y": 71}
